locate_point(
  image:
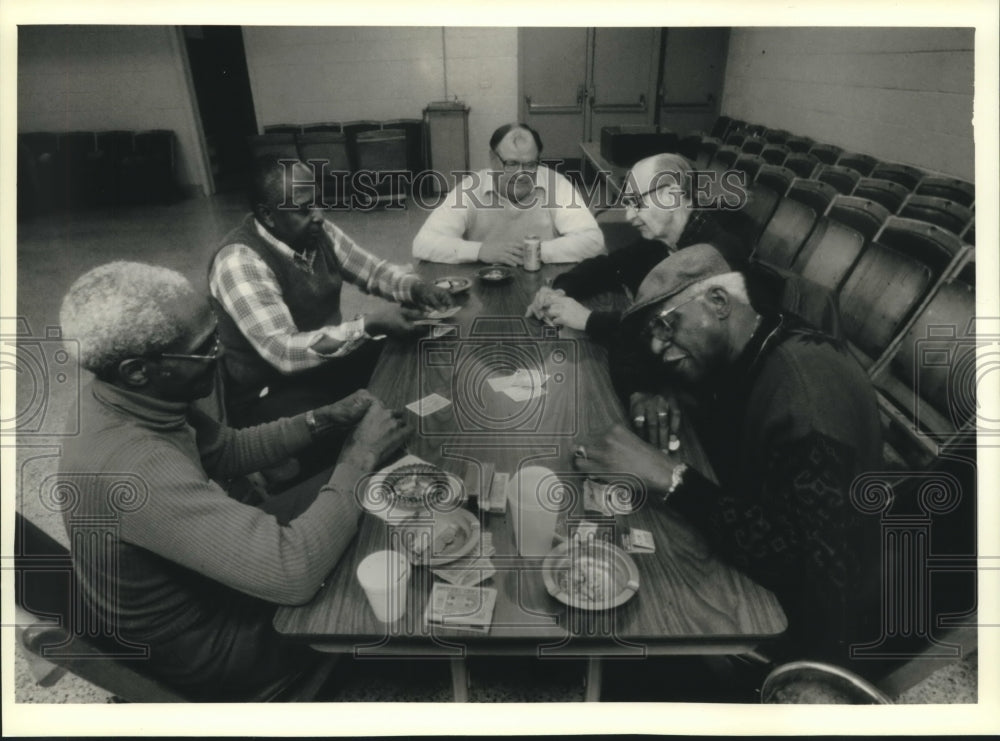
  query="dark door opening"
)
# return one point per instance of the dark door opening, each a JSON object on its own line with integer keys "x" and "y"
{"x": 222, "y": 87}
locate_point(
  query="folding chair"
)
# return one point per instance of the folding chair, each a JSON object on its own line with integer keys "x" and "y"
{"x": 844, "y": 179}
{"x": 959, "y": 191}
{"x": 775, "y": 154}
{"x": 938, "y": 211}
{"x": 750, "y": 164}
{"x": 908, "y": 177}
{"x": 724, "y": 158}
{"x": 776, "y": 136}
{"x": 968, "y": 234}
{"x": 936, "y": 248}
{"x": 802, "y": 164}
{"x": 753, "y": 145}
{"x": 721, "y": 127}
{"x": 826, "y": 153}
{"x": 863, "y": 163}
{"x": 735, "y": 139}
{"x": 829, "y": 253}
{"x": 775, "y": 177}
{"x": 886, "y": 193}
{"x": 861, "y": 214}
{"x": 707, "y": 147}
{"x": 799, "y": 144}
{"x": 749, "y": 221}
{"x": 879, "y": 295}
{"x": 927, "y": 391}
{"x": 813, "y": 193}
{"x": 785, "y": 233}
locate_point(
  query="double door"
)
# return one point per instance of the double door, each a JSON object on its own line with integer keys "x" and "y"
{"x": 575, "y": 81}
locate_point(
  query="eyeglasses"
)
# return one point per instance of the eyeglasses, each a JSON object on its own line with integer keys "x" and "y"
{"x": 660, "y": 327}
{"x": 515, "y": 166}
{"x": 636, "y": 202}
{"x": 212, "y": 345}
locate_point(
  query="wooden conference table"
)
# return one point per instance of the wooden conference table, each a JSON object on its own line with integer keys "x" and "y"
{"x": 688, "y": 601}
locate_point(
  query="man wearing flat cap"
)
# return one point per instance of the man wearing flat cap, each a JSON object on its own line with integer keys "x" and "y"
{"x": 660, "y": 202}
{"x": 788, "y": 421}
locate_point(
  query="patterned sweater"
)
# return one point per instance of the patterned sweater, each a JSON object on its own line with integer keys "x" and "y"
{"x": 787, "y": 429}
{"x": 188, "y": 571}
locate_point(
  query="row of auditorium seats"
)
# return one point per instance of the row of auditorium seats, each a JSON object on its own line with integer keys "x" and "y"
{"x": 85, "y": 169}
{"x": 350, "y": 148}
{"x": 901, "y": 189}
{"x": 905, "y": 290}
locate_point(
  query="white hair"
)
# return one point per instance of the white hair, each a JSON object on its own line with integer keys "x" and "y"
{"x": 733, "y": 283}
{"x": 119, "y": 310}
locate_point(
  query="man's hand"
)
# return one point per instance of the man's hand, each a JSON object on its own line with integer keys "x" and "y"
{"x": 620, "y": 451}
{"x": 657, "y": 418}
{"x": 344, "y": 413}
{"x": 393, "y": 320}
{"x": 501, "y": 251}
{"x": 431, "y": 297}
{"x": 563, "y": 311}
{"x": 540, "y": 303}
{"x": 379, "y": 433}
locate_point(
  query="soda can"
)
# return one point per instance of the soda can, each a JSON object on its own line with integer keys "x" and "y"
{"x": 532, "y": 253}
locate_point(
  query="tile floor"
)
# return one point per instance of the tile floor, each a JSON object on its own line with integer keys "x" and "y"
{"x": 53, "y": 251}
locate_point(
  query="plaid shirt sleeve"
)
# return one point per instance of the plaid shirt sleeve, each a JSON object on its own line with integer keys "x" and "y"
{"x": 370, "y": 273}
{"x": 249, "y": 291}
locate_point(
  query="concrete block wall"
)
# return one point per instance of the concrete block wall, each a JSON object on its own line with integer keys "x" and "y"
{"x": 900, "y": 94}
{"x": 308, "y": 75}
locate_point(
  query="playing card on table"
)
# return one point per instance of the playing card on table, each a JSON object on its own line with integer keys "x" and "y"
{"x": 428, "y": 405}
{"x": 433, "y": 317}
{"x": 467, "y": 571}
{"x": 523, "y": 393}
{"x": 523, "y": 378}
{"x": 639, "y": 541}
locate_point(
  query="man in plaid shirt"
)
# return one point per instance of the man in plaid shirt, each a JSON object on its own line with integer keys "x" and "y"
{"x": 275, "y": 285}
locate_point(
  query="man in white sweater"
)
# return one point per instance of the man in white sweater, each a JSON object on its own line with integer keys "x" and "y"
{"x": 488, "y": 215}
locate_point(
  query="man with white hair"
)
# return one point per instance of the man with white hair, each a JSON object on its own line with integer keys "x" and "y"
{"x": 788, "y": 421}
{"x": 488, "y": 215}
{"x": 191, "y": 573}
{"x": 660, "y": 202}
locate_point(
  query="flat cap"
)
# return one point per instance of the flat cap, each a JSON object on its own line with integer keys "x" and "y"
{"x": 681, "y": 270}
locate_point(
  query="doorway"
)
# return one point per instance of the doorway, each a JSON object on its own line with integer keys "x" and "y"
{"x": 573, "y": 81}
{"x": 576, "y": 81}
{"x": 222, "y": 87}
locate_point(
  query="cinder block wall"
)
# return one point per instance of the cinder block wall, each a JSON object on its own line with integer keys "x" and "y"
{"x": 900, "y": 94}
{"x": 309, "y": 75}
